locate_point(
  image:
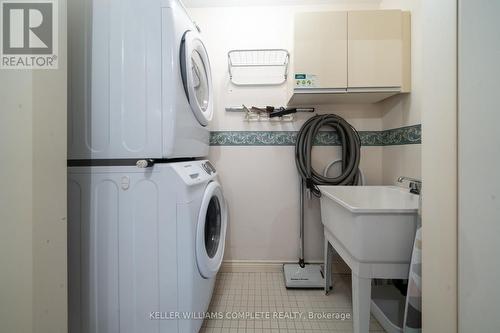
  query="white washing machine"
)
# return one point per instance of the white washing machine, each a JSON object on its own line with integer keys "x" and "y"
{"x": 139, "y": 81}
{"x": 145, "y": 246}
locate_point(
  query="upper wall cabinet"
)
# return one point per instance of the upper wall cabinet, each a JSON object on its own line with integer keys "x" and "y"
{"x": 350, "y": 57}
{"x": 326, "y": 62}
{"x": 376, "y": 50}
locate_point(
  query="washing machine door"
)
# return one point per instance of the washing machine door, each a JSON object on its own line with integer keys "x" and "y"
{"x": 196, "y": 77}
{"x": 211, "y": 231}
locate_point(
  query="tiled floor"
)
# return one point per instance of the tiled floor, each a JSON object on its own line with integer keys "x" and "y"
{"x": 248, "y": 295}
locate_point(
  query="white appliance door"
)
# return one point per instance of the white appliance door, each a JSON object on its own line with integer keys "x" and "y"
{"x": 196, "y": 77}
{"x": 211, "y": 231}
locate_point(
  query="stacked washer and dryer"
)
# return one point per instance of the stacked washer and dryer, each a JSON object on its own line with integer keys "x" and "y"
{"x": 147, "y": 216}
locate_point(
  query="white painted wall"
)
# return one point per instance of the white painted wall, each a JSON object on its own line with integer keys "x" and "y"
{"x": 439, "y": 166}
{"x": 479, "y": 164}
{"x": 405, "y": 110}
{"x": 33, "y": 295}
{"x": 261, "y": 183}
{"x": 262, "y": 189}
{"x": 229, "y": 3}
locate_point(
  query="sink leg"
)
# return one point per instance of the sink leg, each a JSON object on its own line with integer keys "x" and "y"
{"x": 328, "y": 266}
{"x": 361, "y": 301}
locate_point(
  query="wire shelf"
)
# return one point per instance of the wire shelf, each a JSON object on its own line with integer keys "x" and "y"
{"x": 258, "y": 66}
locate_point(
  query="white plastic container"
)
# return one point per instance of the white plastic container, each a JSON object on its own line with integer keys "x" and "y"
{"x": 361, "y": 216}
{"x": 388, "y": 307}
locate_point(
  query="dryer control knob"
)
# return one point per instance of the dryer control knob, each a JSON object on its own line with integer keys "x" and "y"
{"x": 206, "y": 168}
{"x": 144, "y": 163}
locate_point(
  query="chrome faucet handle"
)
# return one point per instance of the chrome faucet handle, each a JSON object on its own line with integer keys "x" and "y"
{"x": 409, "y": 179}
{"x": 414, "y": 184}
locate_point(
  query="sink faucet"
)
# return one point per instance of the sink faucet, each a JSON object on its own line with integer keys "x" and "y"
{"x": 415, "y": 185}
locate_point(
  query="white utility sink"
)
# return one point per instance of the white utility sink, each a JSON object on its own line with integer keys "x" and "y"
{"x": 373, "y": 223}
{"x": 372, "y": 228}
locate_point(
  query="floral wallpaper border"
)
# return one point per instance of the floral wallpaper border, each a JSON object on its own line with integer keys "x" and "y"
{"x": 398, "y": 136}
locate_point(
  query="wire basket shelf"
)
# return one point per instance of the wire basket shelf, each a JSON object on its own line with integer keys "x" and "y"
{"x": 258, "y": 66}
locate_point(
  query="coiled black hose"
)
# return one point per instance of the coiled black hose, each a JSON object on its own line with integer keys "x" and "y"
{"x": 351, "y": 155}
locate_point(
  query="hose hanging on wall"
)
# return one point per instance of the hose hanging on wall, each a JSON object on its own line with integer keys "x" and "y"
{"x": 349, "y": 141}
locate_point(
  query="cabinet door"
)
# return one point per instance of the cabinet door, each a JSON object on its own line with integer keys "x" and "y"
{"x": 321, "y": 48}
{"x": 375, "y": 48}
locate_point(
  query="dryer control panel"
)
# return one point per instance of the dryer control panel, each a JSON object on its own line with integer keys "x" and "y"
{"x": 195, "y": 172}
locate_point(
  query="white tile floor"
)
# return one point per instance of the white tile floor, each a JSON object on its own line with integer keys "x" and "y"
{"x": 249, "y": 294}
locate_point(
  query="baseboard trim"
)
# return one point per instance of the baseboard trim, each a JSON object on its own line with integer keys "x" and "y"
{"x": 267, "y": 266}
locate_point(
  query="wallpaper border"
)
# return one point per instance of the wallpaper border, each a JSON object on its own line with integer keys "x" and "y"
{"x": 407, "y": 135}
